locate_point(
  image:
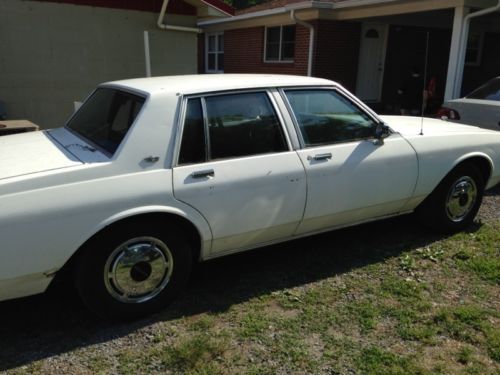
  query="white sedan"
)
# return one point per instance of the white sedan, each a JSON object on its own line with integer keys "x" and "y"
{"x": 481, "y": 107}
{"x": 151, "y": 175}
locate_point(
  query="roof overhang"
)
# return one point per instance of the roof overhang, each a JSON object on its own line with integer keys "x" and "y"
{"x": 344, "y": 10}
{"x": 208, "y": 9}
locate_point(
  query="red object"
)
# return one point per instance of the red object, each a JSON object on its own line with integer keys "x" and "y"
{"x": 431, "y": 87}
{"x": 448, "y": 113}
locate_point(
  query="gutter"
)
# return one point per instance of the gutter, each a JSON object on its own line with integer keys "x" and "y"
{"x": 297, "y": 6}
{"x": 311, "y": 40}
{"x": 463, "y": 45}
{"x": 270, "y": 12}
{"x": 164, "y": 26}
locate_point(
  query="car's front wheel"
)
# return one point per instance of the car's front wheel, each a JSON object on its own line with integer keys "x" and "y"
{"x": 452, "y": 206}
{"x": 133, "y": 270}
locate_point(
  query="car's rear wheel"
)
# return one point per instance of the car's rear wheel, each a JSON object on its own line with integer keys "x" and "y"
{"x": 452, "y": 206}
{"x": 133, "y": 270}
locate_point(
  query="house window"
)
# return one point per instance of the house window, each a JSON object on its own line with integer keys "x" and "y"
{"x": 214, "y": 56}
{"x": 474, "y": 48}
{"x": 280, "y": 43}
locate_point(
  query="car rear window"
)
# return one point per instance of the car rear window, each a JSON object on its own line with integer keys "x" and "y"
{"x": 489, "y": 91}
{"x": 106, "y": 116}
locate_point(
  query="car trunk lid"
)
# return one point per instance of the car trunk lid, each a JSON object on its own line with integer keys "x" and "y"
{"x": 33, "y": 152}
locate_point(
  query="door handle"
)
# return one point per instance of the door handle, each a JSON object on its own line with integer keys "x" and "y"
{"x": 325, "y": 156}
{"x": 203, "y": 174}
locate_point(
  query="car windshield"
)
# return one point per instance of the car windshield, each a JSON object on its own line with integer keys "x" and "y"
{"x": 106, "y": 116}
{"x": 489, "y": 91}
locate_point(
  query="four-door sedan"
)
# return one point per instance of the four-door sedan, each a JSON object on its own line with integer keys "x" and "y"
{"x": 481, "y": 107}
{"x": 151, "y": 175}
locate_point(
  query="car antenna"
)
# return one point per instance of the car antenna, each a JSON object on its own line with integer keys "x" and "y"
{"x": 424, "y": 84}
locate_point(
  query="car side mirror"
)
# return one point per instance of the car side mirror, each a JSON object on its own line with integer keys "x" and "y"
{"x": 381, "y": 132}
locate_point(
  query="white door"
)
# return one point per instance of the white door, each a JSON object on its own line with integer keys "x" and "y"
{"x": 244, "y": 179}
{"x": 371, "y": 62}
{"x": 350, "y": 176}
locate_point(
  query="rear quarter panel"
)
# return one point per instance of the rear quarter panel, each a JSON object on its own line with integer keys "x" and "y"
{"x": 45, "y": 217}
{"x": 41, "y": 228}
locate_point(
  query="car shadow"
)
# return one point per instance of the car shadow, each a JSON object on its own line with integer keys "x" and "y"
{"x": 493, "y": 191}
{"x": 43, "y": 326}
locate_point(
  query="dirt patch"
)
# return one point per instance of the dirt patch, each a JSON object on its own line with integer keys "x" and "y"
{"x": 490, "y": 209}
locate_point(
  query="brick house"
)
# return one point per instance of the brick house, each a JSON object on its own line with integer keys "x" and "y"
{"x": 369, "y": 46}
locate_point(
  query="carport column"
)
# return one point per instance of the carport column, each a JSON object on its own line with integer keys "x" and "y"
{"x": 453, "y": 68}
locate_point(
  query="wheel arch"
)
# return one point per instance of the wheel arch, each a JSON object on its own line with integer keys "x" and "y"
{"x": 482, "y": 161}
{"x": 196, "y": 234}
{"x": 434, "y": 211}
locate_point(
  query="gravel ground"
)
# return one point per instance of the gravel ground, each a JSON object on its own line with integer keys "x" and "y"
{"x": 55, "y": 334}
{"x": 490, "y": 209}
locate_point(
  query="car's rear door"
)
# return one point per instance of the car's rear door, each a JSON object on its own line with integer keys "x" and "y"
{"x": 351, "y": 176}
{"x": 236, "y": 166}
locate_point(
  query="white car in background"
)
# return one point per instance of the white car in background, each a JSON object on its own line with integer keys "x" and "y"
{"x": 151, "y": 175}
{"x": 480, "y": 108}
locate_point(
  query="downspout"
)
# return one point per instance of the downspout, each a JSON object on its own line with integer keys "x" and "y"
{"x": 147, "y": 55}
{"x": 311, "y": 40}
{"x": 164, "y": 26}
{"x": 463, "y": 45}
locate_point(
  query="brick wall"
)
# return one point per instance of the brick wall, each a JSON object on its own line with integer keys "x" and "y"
{"x": 337, "y": 51}
{"x": 335, "y": 54}
{"x": 244, "y": 52}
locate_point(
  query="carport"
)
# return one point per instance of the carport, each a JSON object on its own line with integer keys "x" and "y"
{"x": 461, "y": 38}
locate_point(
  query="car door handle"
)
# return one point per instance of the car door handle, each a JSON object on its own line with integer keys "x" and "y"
{"x": 203, "y": 174}
{"x": 320, "y": 156}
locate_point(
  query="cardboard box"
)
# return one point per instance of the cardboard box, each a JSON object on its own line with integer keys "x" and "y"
{"x": 17, "y": 126}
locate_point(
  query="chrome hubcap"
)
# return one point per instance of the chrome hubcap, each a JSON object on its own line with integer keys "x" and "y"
{"x": 138, "y": 270}
{"x": 461, "y": 198}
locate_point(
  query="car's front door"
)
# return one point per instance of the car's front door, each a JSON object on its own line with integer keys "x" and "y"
{"x": 351, "y": 176}
{"x": 236, "y": 167}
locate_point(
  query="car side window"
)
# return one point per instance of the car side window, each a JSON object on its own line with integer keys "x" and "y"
{"x": 243, "y": 124}
{"x": 326, "y": 117}
{"x": 193, "y": 136}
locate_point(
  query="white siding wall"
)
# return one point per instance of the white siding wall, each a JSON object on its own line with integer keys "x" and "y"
{"x": 53, "y": 54}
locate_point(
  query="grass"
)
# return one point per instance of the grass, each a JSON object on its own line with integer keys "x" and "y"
{"x": 432, "y": 308}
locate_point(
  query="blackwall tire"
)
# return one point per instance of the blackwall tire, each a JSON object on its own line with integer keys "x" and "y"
{"x": 453, "y": 205}
{"x": 133, "y": 270}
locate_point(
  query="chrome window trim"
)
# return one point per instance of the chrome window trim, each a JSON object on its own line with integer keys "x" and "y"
{"x": 342, "y": 92}
{"x": 181, "y": 120}
{"x": 208, "y": 150}
{"x": 179, "y": 130}
{"x": 287, "y": 119}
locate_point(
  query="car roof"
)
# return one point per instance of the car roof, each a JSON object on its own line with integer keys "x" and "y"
{"x": 198, "y": 83}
